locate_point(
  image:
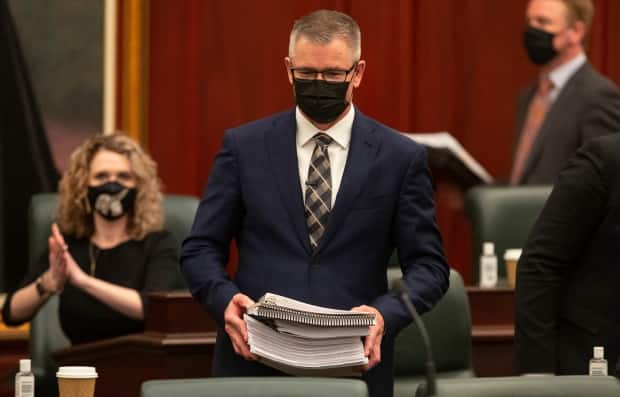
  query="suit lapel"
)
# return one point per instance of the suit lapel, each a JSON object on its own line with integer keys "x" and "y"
{"x": 281, "y": 145}
{"x": 551, "y": 119}
{"x": 362, "y": 152}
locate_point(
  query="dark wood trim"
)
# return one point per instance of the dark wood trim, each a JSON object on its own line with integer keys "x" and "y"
{"x": 492, "y": 314}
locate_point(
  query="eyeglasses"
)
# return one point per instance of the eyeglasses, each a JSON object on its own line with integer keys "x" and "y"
{"x": 329, "y": 75}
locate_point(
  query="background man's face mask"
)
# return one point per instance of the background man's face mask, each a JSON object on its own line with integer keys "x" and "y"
{"x": 539, "y": 45}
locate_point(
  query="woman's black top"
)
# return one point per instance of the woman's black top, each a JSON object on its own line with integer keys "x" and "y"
{"x": 143, "y": 265}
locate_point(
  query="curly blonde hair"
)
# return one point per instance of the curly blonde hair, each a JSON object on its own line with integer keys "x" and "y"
{"x": 74, "y": 216}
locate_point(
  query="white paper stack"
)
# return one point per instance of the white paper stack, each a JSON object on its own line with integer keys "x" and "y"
{"x": 307, "y": 340}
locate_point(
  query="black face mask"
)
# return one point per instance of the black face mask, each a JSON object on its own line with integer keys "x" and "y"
{"x": 321, "y": 101}
{"x": 112, "y": 200}
{"x": 539, "y": 45}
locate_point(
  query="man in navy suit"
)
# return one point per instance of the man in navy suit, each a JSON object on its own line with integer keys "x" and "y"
{"x": 317, "y": 198}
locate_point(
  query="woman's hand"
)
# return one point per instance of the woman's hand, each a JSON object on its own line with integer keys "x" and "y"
{"x": 122, "y": 299}
{"x": 56, "y": 276}
{"x": 74, "y": 273}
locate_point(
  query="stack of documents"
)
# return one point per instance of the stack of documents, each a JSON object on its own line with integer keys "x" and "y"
{"x": 307, "y": 340}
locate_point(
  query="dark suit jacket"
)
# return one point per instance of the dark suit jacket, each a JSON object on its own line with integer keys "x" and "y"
{"x": 568, "y": 283}
{"x": 253, "y": 195}
{"x": 588, "y": 106}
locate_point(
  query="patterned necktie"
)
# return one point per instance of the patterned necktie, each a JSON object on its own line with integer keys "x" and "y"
{"x": 318, "y": 190}
{"x": 535, "y": 116}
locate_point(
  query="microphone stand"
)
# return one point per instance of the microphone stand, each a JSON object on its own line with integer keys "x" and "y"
{"x": 403, "y": 293}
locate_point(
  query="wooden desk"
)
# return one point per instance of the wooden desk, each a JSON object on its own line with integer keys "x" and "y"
{"x": 492, "y": 317}
{"x": 179, "y": 339}
{"x": 178, "y": 343}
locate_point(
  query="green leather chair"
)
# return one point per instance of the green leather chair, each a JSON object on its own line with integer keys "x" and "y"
{"x": 255, "y": 387}
{"x": 449, "y": 328}
{"x": 46, "y": 335}
{"x": 502, "y": 215}
{"x": 528, "y": 386}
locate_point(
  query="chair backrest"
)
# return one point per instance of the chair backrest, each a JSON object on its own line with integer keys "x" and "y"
{"x": 46, "y": 335}
{"x": 502, "y": 215}
{"x": 179, "y": 214}
{"x": 255, "y": 387}
{"x": 449, "y": 328}
{"x": 528, "y": 386}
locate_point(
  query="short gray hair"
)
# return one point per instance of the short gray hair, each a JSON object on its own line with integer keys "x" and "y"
{"x": 323, "y": 26}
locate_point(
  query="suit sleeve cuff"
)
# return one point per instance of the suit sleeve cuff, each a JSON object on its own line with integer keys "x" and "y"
{"x": 221, "y": 299}
{"x": 392, "y": 319}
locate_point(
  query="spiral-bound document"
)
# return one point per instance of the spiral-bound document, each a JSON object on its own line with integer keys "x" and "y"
{"x": 301, "y": 356}
{"x": 277, "y": 307}
{"x": 303, "y": 339}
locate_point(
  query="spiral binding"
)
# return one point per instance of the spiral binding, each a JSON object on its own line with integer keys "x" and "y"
{"x": 273, "y": 312}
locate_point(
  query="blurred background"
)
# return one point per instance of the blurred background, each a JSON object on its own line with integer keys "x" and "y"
{"x": 177, "y": 74}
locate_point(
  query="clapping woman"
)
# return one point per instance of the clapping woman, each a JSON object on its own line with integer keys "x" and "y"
{"x": 107, "y": 247}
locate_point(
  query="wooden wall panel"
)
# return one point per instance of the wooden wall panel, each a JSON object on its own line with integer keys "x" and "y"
{"x": 433, "y": 65}
{"x": 177, "y": 93}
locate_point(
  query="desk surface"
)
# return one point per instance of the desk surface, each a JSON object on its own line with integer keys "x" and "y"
{"x": 178, "y": 342}
{"x": 180, "y": 337}
{"x": 132, "y": 359}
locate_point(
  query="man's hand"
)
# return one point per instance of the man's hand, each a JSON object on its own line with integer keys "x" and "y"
{"x": 235, "y": 326}
{"x": 372, "y": 343}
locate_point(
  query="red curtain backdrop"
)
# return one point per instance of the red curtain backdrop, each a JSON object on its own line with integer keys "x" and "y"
{"x": 433, "y": 65}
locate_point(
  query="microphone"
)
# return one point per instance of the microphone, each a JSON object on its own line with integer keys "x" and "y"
{"x": 431, "y": 384}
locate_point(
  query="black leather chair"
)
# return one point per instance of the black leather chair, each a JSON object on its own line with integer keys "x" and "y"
{"x": 449, "y": 328}
{"x": 255, "y": 387}
{"x": 528, "y": 386}
{"x": 46, "y": 335}
{"x": 503, "y": 215}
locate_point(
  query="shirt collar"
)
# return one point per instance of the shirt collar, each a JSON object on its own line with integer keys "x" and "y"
{"x": 339, "y": 132}
{"x": 560, "y": 75}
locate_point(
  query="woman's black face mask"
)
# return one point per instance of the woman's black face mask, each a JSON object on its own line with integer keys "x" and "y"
{"x": 112, "y": 200}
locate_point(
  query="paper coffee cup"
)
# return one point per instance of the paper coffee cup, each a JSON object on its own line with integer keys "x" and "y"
{"x": 511, "y": 257}
{"x": 76, "y": 381}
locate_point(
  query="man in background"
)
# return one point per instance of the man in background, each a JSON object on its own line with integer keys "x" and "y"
{"x": 571, "y": 102}
{"x": 566, "y": 298}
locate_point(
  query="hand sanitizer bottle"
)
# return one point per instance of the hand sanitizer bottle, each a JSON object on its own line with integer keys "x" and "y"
{"x": 598, "y": 364}
{"x": 24, "y": 380}
{"x": 488, "y": 266}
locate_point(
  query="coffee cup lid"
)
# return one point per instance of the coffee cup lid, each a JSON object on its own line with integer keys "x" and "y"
{"x": 76, "y": 372}
{"x": 512, "y": 254}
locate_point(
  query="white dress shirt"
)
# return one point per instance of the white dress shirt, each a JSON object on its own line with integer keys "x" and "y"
{"x": 337, "y": 150}
{"x": 560, "y": 75}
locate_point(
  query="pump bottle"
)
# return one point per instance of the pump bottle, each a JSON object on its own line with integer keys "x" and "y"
{"x": 598, "y": 364}
{"x": 24, "y": 380}
{"x": 488, "y": 266}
